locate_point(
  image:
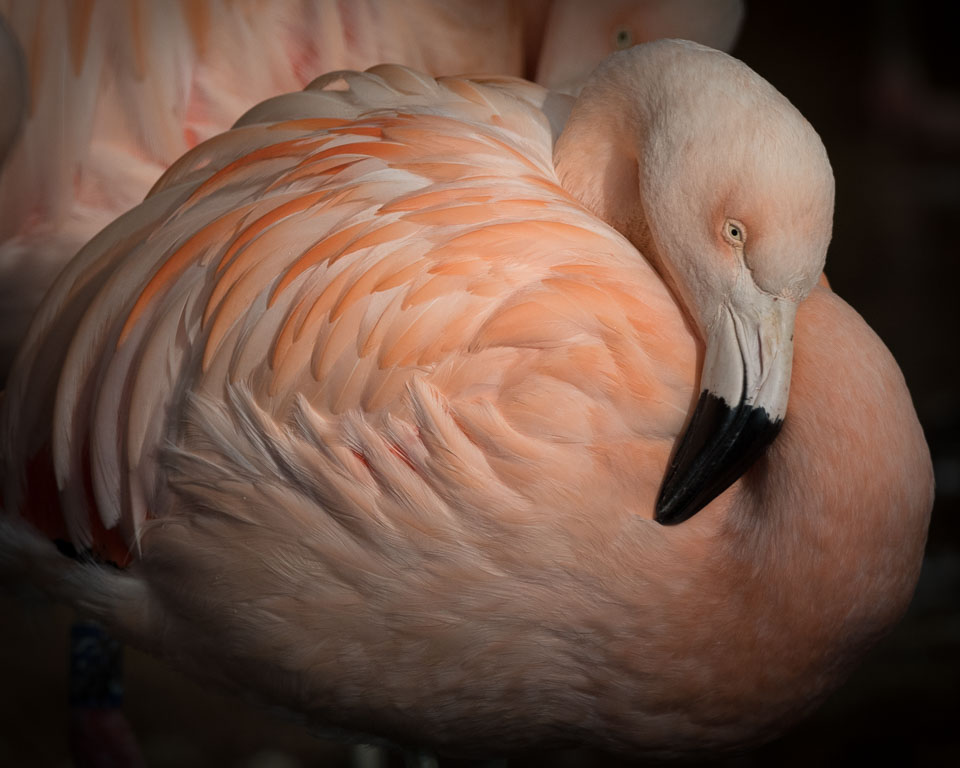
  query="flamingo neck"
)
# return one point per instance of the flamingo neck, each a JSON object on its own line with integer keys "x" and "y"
{"x": 597, "y": 156}
{"x": 599, "y": 159}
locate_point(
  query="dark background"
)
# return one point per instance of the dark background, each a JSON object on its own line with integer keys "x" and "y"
{"x": 879, "y": 81}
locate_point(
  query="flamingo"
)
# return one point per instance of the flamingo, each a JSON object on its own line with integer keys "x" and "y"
{"x": 434, "y": 411}
{"x": 576, "y": 36}
{"x": 140, "y": 83}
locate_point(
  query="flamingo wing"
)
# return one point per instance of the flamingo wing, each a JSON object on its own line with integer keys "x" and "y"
{"x": 116, "y": 92}
{"x": 379, "y": 256}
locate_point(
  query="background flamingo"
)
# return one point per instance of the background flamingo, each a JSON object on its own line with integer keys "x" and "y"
{"x": 833, "y": 100}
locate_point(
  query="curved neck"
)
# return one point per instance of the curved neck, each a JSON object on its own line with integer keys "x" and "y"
{"x": 597, "y": 158}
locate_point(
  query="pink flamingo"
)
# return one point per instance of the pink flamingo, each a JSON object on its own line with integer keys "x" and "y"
{"x": 371, "y": 404}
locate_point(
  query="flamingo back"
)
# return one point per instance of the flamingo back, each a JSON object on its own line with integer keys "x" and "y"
{"x": 377, "y": 258}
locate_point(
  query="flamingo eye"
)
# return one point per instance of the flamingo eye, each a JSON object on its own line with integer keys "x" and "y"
{"x": 734, "y": 232}
{"x": 622, "y": 39}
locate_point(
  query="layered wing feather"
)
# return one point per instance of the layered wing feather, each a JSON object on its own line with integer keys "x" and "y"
{"x": 382, "y": 267}
{"x": 116, "y": 90}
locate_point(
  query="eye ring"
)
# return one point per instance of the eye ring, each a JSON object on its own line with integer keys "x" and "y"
{"x": 622, "y": 38}
{"x": 734, "y": 232}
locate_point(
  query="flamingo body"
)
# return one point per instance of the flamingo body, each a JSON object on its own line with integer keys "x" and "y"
{"x": 373, "y": 413}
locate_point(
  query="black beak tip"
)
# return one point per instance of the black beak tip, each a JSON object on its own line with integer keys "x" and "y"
{"x": 720, "y": 444}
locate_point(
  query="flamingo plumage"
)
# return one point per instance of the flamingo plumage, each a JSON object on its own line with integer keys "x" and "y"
{"x": 371, "y": 402}
{"x": 138, "y": 84}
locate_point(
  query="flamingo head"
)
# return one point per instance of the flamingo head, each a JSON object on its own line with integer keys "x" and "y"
{"x": 727, "y": 190}
{"x": 737, "y": 193}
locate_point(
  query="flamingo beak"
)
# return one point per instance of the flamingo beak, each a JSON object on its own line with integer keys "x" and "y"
{"x": 743, "y": 400}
